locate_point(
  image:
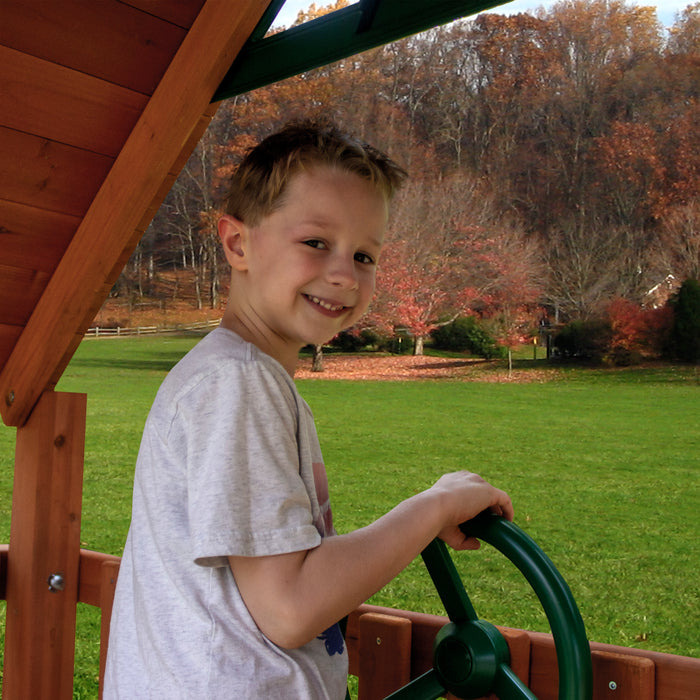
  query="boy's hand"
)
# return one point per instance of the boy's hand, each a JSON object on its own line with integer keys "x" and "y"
{"x": 464, "y": 495}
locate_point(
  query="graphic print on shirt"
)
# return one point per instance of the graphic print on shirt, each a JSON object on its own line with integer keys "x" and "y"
{"x": 324, "y": 522}
{"x": 333, "y": 639}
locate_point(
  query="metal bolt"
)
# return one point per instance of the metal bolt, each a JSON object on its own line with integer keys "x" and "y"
{"x": 56, "y": 583}
{"x": 10, "y": 398}
{"x": 379, "y": 641}
{"x": 612, "y": 685}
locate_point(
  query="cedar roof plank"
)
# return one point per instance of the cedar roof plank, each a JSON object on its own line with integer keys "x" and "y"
{"x": 20, "y": 290}
{"x": 49, "y": 175}
{"x": 64, "y": 105}
{"x": 107, "y": 231}
{"x": 180, "y": 13}
{"x": 8, "y": 338}
{"x": 107, "y": 38}
{"x": 33, "y": 238}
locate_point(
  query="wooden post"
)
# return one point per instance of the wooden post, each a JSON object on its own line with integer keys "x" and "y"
{"x": 620, "y": 677}
{"x": 384, "y": 655}
{"x": 45, "y": 542}
{"x": 108, "y": 585}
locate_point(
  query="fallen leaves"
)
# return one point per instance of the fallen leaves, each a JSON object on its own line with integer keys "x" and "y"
{"x": 410, "y": 367}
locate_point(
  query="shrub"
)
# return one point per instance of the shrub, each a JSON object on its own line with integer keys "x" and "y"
{"x": 401, "y": 343}
{"x": 467, "y": 334}
{"x": 347, "y": 341}
{"x": 685, "y": 333}
{"x": 586, "y": 340}
{"x": 636, "y": 332}
{"x": 354, "y": 340}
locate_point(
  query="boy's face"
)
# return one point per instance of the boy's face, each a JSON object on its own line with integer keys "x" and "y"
{"x": 308, "y": 269}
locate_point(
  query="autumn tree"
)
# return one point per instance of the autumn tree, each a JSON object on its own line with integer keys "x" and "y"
{"x": 685, "y": 34}
{"x": 448, "y": 256}
{"x": 419, "y": 280}
{"x": 511, "y": 284}
{"x": 192, "y": 207}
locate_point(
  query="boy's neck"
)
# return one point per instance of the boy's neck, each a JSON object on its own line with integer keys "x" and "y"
{"x": 288, "y": 359}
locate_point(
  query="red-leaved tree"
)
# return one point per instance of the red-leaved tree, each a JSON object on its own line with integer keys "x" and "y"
{"x": 422, "y": 280}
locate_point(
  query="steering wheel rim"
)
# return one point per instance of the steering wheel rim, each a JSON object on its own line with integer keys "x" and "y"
{"x": 471, "y": 658}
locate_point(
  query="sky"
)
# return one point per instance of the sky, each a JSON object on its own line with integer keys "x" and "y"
{"x": 665, "y": 9}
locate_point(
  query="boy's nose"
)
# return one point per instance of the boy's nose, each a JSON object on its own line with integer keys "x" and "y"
{"x": 342, "y": 272}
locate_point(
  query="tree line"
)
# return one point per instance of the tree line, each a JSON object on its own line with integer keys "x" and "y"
{"x": 554, "y": 161}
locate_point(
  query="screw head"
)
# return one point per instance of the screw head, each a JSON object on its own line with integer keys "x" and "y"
{"x": 56, "y": 583}
{"x": 612, "y": 685}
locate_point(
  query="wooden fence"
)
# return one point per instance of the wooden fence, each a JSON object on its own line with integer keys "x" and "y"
{"x": 99, "y": 332}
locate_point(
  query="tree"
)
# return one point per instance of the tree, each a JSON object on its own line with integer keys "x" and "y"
{"x": 587, "y": 266}
{"x": 317, "y": 362}
{"x": 193, "y": 200}
{"x": 421, "y": 281}
{"x": 678, "y": 250}
{"x": 510, "y": 284}
{"x": 629, "y": 173}
{"x": 685, "y": 34}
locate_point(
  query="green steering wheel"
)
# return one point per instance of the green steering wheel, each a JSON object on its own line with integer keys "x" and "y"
{"x": 470, "y": 656}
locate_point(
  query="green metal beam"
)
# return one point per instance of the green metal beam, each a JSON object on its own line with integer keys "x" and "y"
{"x": 351, "y": 30}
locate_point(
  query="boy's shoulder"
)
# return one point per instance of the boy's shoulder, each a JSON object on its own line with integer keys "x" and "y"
{"x": 222, "y": 353}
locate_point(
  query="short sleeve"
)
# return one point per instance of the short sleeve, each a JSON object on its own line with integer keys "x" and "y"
{"x": 245, "y": 495}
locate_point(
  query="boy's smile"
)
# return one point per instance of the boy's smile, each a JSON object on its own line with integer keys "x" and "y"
{"x": 307, "y": 270}
{"x": 330, "y": 309}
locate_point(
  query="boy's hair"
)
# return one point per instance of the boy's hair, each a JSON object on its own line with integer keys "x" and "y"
{"x": 258, "y": 185}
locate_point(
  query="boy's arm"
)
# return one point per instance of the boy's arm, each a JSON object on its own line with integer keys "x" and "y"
{"x": 294, "y": 597}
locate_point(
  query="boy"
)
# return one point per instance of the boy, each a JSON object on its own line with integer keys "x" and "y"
{"x": 233, "y": 579}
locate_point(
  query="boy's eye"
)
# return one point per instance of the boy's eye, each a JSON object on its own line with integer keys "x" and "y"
{"x": 364, "y": 258}
{"x": 315, "y": 243}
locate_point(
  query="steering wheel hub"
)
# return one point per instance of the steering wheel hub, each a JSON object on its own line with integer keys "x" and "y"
{"x": 466, "y": 657}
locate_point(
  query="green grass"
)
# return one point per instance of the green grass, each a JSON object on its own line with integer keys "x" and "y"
{"x": 602, "y": 466}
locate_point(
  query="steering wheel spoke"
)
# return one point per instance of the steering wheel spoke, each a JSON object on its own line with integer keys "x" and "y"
{"x": 448, "y": 583}
{"x": 508, "y": 686}
{"x": 425, "y": 687}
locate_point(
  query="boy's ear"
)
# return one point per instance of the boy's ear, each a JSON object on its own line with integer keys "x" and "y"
{"x": 234, "y": 239}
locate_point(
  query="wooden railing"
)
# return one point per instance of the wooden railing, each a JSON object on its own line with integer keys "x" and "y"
{"x": 112, "y": 331}
{"x": 387, "y": 648}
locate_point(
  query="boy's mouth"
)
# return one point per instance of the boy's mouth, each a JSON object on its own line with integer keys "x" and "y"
{"x": 325, "y": 304}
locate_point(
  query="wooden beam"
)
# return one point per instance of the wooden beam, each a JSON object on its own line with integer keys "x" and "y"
{"x": 45, "y": 540}
{"x": 101, "y": 294}
{"x": 157, "y": 140}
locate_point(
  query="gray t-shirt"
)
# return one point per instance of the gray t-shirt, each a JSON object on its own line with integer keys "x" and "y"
{"x": 229, "y": 464}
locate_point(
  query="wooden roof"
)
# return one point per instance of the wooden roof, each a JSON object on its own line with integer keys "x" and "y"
{"x": 101, "y": 103}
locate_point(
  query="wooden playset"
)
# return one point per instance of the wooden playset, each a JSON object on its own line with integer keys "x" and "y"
{"x": 101, "y": 104}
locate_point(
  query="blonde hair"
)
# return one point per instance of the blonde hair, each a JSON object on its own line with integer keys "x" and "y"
{"x": 257, "y": 187}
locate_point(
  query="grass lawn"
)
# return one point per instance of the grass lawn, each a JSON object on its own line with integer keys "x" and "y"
{"x": 602, "y": 466}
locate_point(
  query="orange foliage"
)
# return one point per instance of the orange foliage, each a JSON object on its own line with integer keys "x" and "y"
{"x": 638, "y": 330}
